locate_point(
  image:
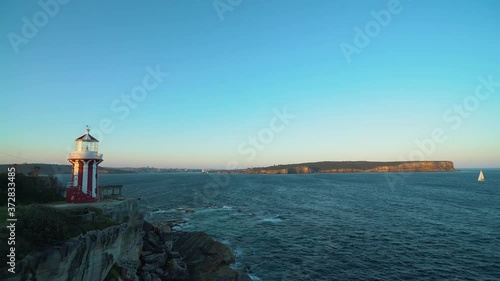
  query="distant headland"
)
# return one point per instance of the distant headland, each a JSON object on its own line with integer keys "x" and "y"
{"x": 353, "y": 167}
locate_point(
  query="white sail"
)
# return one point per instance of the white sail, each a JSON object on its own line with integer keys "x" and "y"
{"x": 481, "y": 176}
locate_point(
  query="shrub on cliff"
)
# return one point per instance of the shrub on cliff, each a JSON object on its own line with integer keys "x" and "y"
{"x": 42, "y": 225}
{"x": 32, "y": 189}
{"x": 39, "y": 226}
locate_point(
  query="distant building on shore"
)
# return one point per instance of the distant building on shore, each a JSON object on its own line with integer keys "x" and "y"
{"x": 85, "y": 159}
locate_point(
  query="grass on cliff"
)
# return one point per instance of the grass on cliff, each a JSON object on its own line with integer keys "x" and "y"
{"x": 39, "y": 226}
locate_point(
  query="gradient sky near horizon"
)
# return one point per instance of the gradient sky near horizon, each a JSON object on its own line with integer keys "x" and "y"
{"x": 228, "y": 75}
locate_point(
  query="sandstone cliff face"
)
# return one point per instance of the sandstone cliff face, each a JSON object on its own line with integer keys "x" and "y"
{"x": 300, "y": 170}
{"x": 91, "y": 256}
{"x": 423, "y": 166}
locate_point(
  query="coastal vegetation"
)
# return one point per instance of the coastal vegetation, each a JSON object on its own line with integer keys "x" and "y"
{"x": 39, "y": 226}
{"x": 32, "y": 189}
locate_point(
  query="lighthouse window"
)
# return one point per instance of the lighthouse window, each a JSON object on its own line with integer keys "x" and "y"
{"x": 78, "y": 146}
{"x": 85, "y": 145}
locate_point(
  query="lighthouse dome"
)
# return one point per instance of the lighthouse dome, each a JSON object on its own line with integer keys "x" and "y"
{"x": 87, "y": 137}
{"x": 86, "y": 146}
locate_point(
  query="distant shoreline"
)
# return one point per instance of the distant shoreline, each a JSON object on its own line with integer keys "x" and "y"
{"x": 323, "y": 167}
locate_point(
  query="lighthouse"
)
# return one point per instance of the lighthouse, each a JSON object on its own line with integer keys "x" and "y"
{"x": 83, "y": 185}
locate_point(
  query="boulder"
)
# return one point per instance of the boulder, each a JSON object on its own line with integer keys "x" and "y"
{"x": 145, "y": 276}
{"x": 206, "y": 259}
{"x": 148, "y": 267}
{"x": 177, "y": 269}
{"x": 157, "y": 260}
{"x": 167, "y": 246}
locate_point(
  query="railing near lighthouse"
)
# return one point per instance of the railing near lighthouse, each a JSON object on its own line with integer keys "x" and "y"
{"x": 85, "y": 155}
{"x": 79, "y": 188}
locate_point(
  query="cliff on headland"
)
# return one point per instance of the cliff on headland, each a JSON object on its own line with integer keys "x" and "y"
{"x": 355, "y": 167}
{"x": 132, "y": 250}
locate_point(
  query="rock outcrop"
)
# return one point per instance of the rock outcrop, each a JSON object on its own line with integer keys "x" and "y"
{"x": 184, "y": 256}
{"x": 206, "y": 258}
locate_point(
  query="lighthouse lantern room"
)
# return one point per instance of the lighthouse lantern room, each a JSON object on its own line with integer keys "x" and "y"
{"x": 83, "y": 185}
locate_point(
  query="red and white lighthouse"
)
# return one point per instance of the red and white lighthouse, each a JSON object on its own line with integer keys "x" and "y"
{"x": 85, "y": 159}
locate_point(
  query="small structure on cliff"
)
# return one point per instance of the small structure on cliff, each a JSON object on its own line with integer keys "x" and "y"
{"x": 111, "y": 191}
{"x": 85, "y": 159}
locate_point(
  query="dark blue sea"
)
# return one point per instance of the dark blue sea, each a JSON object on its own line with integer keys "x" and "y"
{"x": 366, "y": 226}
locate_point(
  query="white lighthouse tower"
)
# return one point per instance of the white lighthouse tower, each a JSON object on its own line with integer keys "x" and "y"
{"x": 85, "y": 159}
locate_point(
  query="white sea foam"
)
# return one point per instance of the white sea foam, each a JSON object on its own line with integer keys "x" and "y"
{"x": 274, "y": 219}
{"x": 183, "y": 226}
{"x": 226, "y": 242}
{"x": 235, "y": 265}
{"x": 158, "y": 212}
{"x": 216, "y": 209}
{"x": 254, "y": 278}
{"x": 238, "y": 252}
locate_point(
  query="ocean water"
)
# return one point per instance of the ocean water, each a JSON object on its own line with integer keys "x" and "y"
{"x": 425, "y": 226}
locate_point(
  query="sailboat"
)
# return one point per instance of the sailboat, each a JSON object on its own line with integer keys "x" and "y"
{"x": 481, "y": 176}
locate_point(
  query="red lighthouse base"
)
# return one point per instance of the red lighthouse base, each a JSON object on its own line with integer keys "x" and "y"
{"x": 75, "y": 195}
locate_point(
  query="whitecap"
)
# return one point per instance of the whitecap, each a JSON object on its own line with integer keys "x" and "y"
{"x": 235, "y": 265}
{"x": 158, "y": 212}
{"x": 226, "y": 242}
{"x": 238, "y": 253}
{"x": 254, "y": 278}
{"x": 183, "y": 226}
{"x": 274, "y": 219}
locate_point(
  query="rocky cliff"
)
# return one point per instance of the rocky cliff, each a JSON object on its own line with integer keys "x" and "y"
{"x": 92, "y": 255}
{"x": 184, "y": 256}
{"x": 356, "y": 167}
{"x": 133, "y": 250}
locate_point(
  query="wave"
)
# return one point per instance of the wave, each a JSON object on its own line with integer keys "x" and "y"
{"x": 216, "y": 209}
{"x": 253, "y": 277}
{"x": 159, "y": 211}
{"x": 274, "y": 219}
{"x": 183, "y": 226}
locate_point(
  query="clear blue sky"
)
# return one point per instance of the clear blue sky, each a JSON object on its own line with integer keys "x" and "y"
{"x": 231, "y": 67}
